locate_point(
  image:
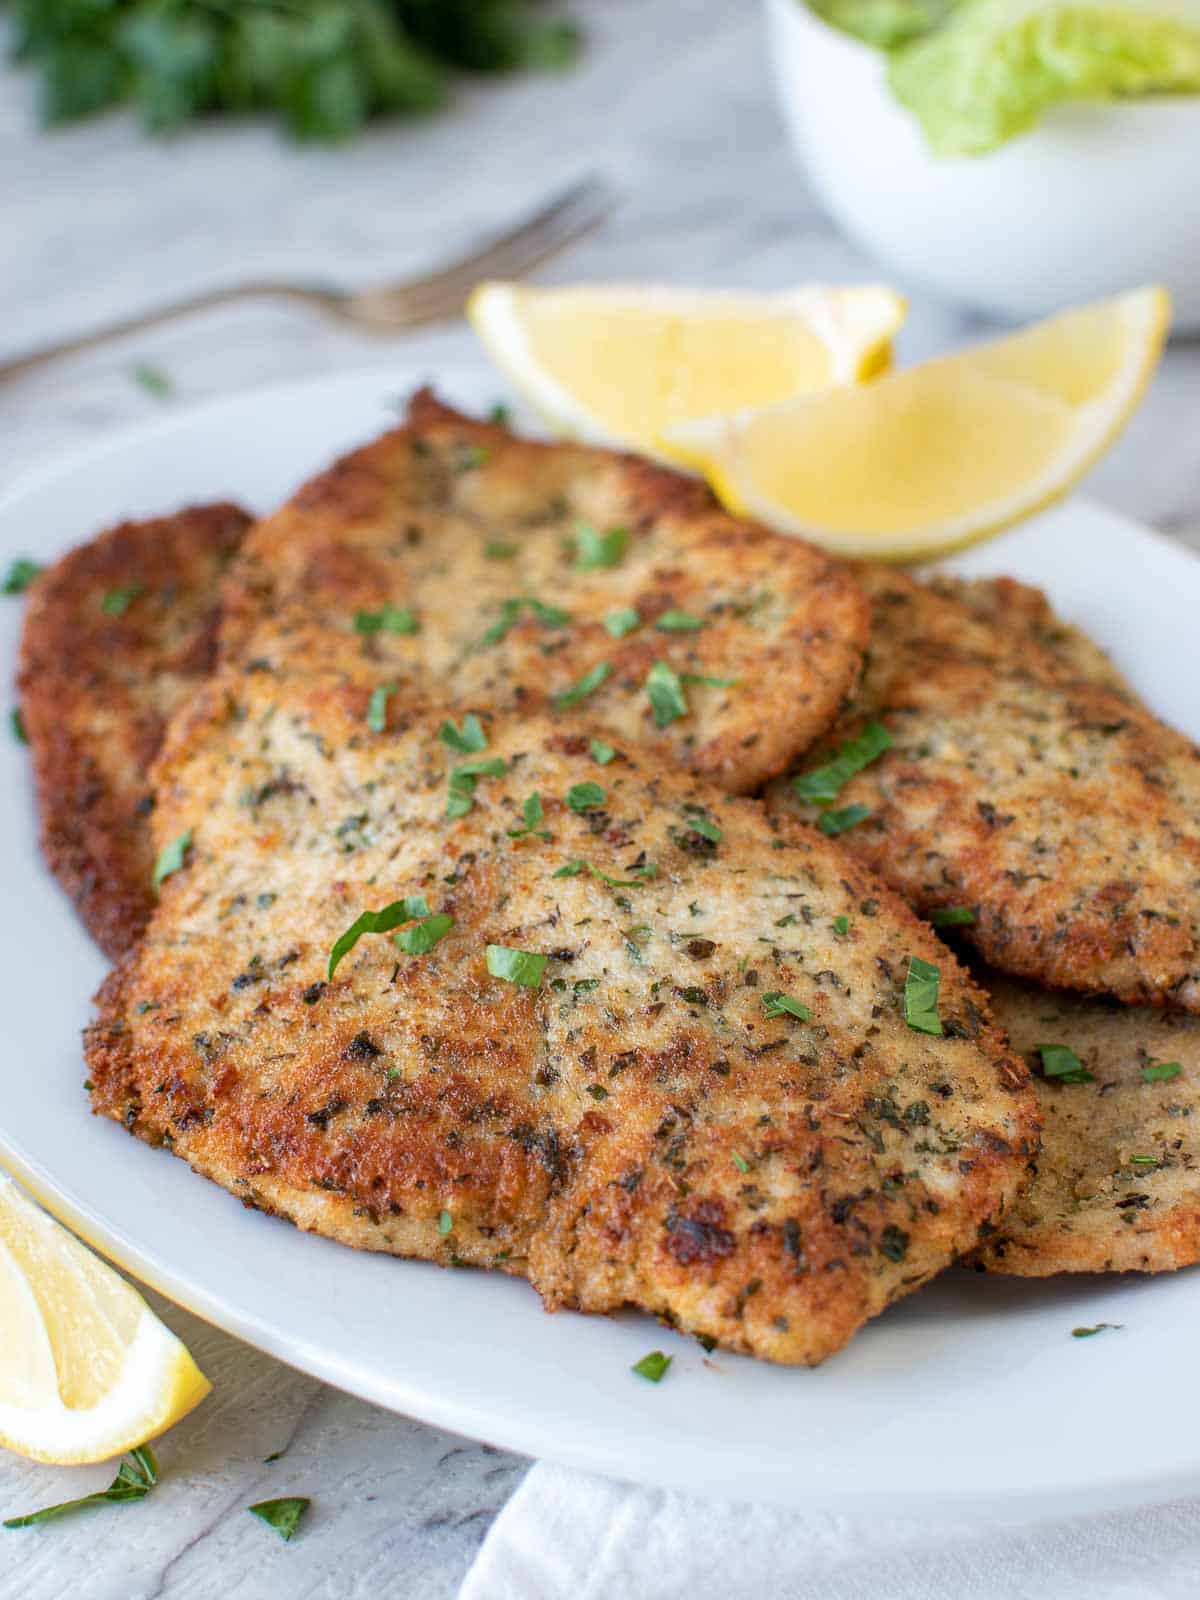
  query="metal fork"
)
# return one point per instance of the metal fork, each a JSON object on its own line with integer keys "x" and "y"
{"x": 386, "y": 308}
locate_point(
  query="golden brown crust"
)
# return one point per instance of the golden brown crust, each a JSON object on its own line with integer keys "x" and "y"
{"x": 96, "y": 690}
{"x": 636, "y": 1130}
{"x": 462, "y": 524}
{"x": 1118, "y": 1178}
{"x": 1063, "y": 815}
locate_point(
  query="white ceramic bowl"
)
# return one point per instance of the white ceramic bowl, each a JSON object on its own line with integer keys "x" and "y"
{"x": 1097, "y": 199}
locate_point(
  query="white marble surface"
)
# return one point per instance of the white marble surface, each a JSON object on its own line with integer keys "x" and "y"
{"x": 674, "y": 104}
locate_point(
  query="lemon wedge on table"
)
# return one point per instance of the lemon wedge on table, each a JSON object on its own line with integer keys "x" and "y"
{"x": 87, "y": 1370}
{"x": 926, "y": 460}
{"x": 618, "y": 365}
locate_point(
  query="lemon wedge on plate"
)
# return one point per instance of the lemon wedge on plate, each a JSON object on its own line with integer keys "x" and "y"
{"x": 924, "y": 461}
{"x": 618, "y": 365}
{"x": 87, "y": 1370}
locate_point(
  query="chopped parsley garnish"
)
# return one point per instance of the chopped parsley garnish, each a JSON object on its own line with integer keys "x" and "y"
{"x": 377, "y": 706}
{"x": 1143, "y": 1161}
{"x": 841, "y": 924}
{"x": 585, "y": 796}
{"x": 498, "y": 550}
{"x": 20, "y": 575}
{"x": 1161, "y": 1071}
{"x": 893, "y": 1242}
{"x": 678, "y": 622}
{"x": 516, "y": 966}
{"x": 783, "y": 1005}
{"x": 921, "y": 996}
{"x": 171, "y": 856}
{"x": 573, "y": 868}
{"x": 420, "y": 939}
{"x": 500, "y": 414}
{"x": 153, "y": 379}
{"x": 600, "y": 750}
{"x": 834, "y": 822}
{"x": 700, "y": 822}
{"x": 823, "y": 784}
{"x": 622, "y": 621}
{"x": 391, "y": 916}
{"x": 392, "y": 619}
{"x": 510, "y": 615}
{"x": 135, "y": 1478}
{"x": 470, "y": 741}
{"x": 463, "y": 780}
{"x": 1062, "y": 1064}
{"x": 585, "y": 686}
{"x": 570, "y": 869}
{"x": 118, "y": 601}
{"x": 740, "y": 1162}
{"x": 283, "y": 1515}
{"x": 445, "y": 1222}
{"x": 667, "y": 699}
{"x": 713, "y": 683}
{"x": 952, "y": 917}
{"x": 534, "y": 814}
{"x": 594, "y": 549}
{"x": 17, "y": 723}
{"x": 1099, "y": 1327}
{"x": 652, "y": 1367}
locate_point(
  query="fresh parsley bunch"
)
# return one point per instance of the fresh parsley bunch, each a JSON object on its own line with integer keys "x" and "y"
{"x": 324, "y": 66}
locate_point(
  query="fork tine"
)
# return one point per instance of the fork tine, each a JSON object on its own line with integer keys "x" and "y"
{"x": 442, "y": 293}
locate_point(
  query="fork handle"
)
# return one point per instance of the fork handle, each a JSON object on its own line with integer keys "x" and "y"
{"x": 308, "y": 294}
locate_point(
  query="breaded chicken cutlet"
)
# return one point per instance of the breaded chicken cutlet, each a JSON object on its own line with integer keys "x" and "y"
{"x": 998, "y": 784}
{"x": 117, "y": 634}
{"x": 617, "y": 1033}
{"x": 1118, "y": 1177}
{"x": 450, "y": 561}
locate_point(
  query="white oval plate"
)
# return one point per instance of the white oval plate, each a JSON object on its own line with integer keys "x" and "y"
{"x": 971, "y": 1397}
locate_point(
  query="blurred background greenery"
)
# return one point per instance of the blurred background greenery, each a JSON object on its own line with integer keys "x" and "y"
{"x": 324, "y": 67}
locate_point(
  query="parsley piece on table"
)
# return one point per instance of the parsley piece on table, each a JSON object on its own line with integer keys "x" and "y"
{"x": 17, "y": 723}
{"x": 1099, "y": 1327}
{"x": 153, "y": 379}
{"x": 921, "y": 996}
{"x": 135, "y": 1478}
{"x": 283, "y": 1515}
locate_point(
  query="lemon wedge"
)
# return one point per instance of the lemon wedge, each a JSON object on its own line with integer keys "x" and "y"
{"x": 618, "y": 365}
{"x": 927, "y": 460}
{"x": 87, "y": 1371}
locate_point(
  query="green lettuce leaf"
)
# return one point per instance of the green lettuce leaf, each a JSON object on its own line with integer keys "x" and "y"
{"x": 884, "y": 23}
{"x": 996, "y": 65}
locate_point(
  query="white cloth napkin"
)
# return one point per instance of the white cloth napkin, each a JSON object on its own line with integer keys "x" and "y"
{"x": 566, "y": 1535}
